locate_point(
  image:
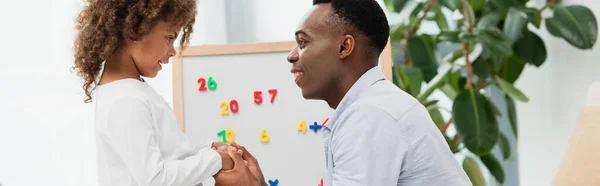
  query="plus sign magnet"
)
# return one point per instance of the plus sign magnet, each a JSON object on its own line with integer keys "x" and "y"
{"x": 273, "y": 183}
{"x": 321, "y": 182}
{"x": 315, "y": 126}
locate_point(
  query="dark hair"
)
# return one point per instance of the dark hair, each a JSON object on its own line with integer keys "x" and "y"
{"x": 366, "y": 16}
{"x": 103, "y": 26}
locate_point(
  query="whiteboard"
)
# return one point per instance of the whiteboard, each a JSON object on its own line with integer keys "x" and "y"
{"x": 235, "y": 72}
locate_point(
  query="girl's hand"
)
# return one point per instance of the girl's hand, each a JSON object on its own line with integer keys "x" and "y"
{"x": 227, "y": 162}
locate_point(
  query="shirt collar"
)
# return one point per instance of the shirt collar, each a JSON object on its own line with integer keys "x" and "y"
{"x": 367, "y": 79}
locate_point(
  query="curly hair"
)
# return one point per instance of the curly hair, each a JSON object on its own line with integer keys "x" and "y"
{"x": 104, "y": 25}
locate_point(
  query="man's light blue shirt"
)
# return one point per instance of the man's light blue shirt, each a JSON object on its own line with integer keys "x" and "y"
{"x": 379, "y": 135}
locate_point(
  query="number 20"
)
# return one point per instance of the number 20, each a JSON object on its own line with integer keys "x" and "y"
{"x": 233, "y": 104}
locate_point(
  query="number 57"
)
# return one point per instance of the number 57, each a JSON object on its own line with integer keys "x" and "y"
{"x": 258, "y": 96}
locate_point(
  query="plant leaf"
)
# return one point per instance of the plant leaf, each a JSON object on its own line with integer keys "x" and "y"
{"x": 495, "y": 42}
{"x": 440, "y": 18}
{"x": 512, "y": 114}
{"x": 488, "y": 21}
{"x": 467, "y": 12}
{"x": 399, "y": 78}
{"x": 477, "y": 4}
{"x": 473, "y": 172}
{"x": 449, "y": 91}
{"x": 504, "y": 146}
{"x": 397, "y": 32}
{"x": 394, "y": 5}
{"x": 511, "y": 69}
{"x": 453, "y": 146}
{"x": 515, "y": 23}
{"x": 418, "y": 9}
{"x": 505, "y": 4}
{"x": 475, "y": 121}
{"x": 422, "y": 53}
{"x": 531, "y": 48}
{"x": 510, "y": 89}
{"x": 436, "y": 116}
{"x": 494, "y": 166}
{"x": 415, "y": 79}
{"x": 523, "y": 2}
{"x": 535, "y": 16}
{"x": 431, "y": 103}
{"x": 481, "y": 68}
{"x": 450, "y": 4}
{"x": 453, "y": 80}
{"x": 451, "y": 36}
{"x": 576, "y": 24}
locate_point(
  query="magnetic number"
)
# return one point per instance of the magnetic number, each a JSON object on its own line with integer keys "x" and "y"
{"x": 273, "y": 93}
{"x": 212, "y": 84}
{"x": 264, "y": 136}
{"x": 227, "y": 135}
{"x": 302, "y": 126}
{"x": 233, "y": 104}
{"x": 258, "y": 96}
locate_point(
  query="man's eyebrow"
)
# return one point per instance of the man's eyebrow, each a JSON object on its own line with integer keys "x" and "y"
{"x": 300, "y": 32}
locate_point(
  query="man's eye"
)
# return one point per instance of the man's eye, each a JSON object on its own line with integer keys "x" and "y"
{"x": 301, "y": 43}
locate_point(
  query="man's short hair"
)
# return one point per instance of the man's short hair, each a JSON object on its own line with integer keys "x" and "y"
{"x": 365, "y": 16}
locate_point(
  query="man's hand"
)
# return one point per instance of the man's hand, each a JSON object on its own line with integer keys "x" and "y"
{"x": 239, "y": 175}
{"x": 251, "y": 162}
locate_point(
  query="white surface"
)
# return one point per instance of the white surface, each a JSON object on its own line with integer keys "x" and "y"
{"x": 292, "y": 157}
{"x": 593, "y": 97}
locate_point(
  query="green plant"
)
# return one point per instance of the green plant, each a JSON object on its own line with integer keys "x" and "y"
{"x": 494, "y": 41}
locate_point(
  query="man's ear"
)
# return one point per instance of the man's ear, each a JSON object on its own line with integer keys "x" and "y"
{"x": 347, "y": 46}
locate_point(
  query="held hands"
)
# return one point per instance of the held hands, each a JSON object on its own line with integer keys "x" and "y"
{"x": 245, "y": 171}
{"x": 221, "y": 148}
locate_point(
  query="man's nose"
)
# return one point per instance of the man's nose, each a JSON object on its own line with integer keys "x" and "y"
{"x": 293, "y": 56}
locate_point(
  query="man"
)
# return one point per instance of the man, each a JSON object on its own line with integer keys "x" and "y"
{"x": 378, "y": 134}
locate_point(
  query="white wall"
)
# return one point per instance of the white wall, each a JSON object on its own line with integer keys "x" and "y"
{"x": 557, "y": 92}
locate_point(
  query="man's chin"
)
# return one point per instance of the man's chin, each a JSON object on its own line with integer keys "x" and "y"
{"x": 310, "y": 96}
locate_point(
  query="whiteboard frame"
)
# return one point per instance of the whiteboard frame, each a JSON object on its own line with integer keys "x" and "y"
{"x": 243, "y": 48}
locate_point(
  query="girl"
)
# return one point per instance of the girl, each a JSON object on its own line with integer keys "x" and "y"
{"x": 138, "y": 139}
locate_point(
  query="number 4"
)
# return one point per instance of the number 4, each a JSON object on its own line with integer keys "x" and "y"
{"x": 273, "y": 93}
{"x": 302, "y": 126}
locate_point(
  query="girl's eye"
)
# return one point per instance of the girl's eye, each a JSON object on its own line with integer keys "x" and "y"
{"x": 169, "y": 39}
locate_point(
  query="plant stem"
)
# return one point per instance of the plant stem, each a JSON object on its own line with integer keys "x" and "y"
{"x": 456, "y": 139}
{"x": 469, "y": 66}
{"x": 446, "y": 125}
